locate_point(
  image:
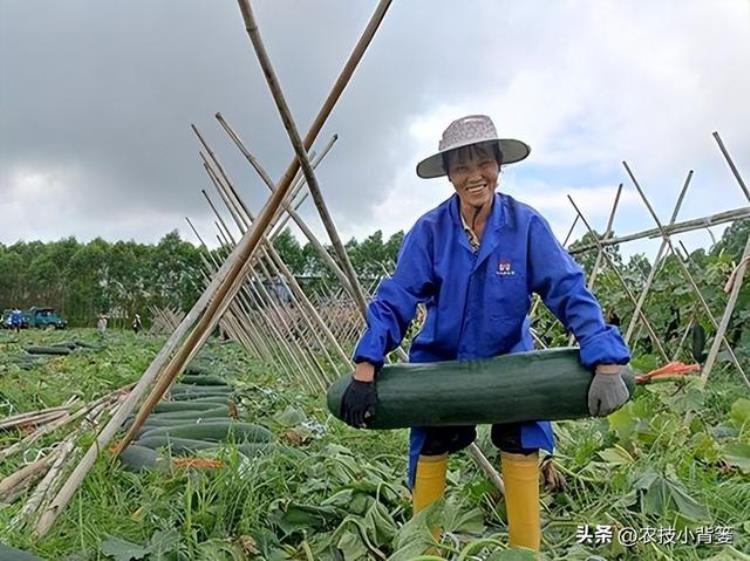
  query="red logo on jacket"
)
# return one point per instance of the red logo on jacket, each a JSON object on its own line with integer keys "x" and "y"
{"x": 504, "y": 268}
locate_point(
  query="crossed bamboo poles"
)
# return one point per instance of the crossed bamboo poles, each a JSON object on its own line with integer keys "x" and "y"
{"x": 237, "y": 299}
{"x": 666, "y": 233}
{"x": 212, "y": 304}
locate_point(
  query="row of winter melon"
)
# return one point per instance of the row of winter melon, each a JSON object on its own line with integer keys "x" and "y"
{"x": 197, "y": 419}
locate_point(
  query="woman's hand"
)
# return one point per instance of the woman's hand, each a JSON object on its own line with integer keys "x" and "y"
{"x": 360, "y": 397}
{"x": 364, "y": 372}
{"x": 608, "y": 391}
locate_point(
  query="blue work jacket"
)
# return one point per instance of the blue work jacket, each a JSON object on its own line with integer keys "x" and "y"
{"x": 477, "y": 302}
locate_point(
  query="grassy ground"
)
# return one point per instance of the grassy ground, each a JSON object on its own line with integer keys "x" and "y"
{"x": 671, "y": 459}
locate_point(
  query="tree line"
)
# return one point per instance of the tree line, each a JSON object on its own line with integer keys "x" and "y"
{"x": 82, "y": 280}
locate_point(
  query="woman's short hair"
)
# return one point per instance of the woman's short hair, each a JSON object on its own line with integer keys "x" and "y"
{"x": 473, "y": 148}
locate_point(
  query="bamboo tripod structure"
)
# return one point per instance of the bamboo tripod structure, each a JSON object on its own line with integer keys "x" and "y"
{"x": 215, "y": 300}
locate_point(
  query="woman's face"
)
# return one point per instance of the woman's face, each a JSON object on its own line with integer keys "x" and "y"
{"x": 473, "y": 171}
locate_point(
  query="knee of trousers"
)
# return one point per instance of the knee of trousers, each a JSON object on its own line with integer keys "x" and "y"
{"x": 447, "y": 440}
{"x": 507, "y": 438}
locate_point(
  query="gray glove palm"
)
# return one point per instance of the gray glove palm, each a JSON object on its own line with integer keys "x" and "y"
{"x": 607, "y": 393}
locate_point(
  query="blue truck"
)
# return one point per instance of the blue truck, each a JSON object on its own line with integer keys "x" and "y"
{"x": 44, "y": 318}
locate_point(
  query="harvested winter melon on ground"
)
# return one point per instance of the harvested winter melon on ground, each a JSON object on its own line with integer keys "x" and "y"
{"x": 216, "y": 430}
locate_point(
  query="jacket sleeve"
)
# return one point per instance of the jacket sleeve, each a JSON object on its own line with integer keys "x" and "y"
{"x": 395, "y": 302}
{"x": 561, "y": 283}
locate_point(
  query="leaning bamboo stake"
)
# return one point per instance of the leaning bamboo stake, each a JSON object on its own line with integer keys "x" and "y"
{"x": 487, "y": 467}
{"x": 254, "y": 309}
{"x": 245, "y": 331}
{"x": 242, "y": 224}
{"x": 685, "y": 270}
{"x": 279, "y": 228}
{"x": 607, "y": 234}
{"x": 598, "y": 260}
{"x": 266, "y": 298}
{"x": 261, "y": 299}
{"x": 228, "y": 193}
{"x": 736, "y": 279}
{"x": 628, "y": 292}
{"x": 657, "y": 260}
{"x": 228, "y": 323}
{"x": 214, "y": 296}
{"x": 301, "y": 224}
{"x": 287, "y": 208}
{"x": 733, "y": 167}
{"x": 243, "y": 218}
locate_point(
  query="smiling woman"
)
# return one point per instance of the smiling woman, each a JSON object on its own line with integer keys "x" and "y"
{"x": 473, "y": 262}
{"x": 474, "y": 170}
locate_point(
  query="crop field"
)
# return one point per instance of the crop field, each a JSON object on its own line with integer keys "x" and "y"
{"x": 673, "y": 465}
{"x": 600, "y": 283}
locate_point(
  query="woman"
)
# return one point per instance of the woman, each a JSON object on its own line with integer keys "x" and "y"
{"x": 473, "y": 262}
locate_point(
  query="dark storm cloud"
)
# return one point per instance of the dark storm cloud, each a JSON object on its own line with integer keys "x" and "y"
{"x": 96, "y": 99}
{"x": 108, "y": 89}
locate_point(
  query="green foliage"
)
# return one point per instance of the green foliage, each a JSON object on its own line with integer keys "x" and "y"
{"x": 371, "y": 258}
{"x": 340, "y": 495}
{"x": 671, "y": 304}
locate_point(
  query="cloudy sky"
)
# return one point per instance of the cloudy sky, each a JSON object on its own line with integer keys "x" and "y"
{"x": 96, "y": 99}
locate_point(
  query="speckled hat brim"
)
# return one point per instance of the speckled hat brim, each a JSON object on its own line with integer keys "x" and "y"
{"x": 513, "y": 151}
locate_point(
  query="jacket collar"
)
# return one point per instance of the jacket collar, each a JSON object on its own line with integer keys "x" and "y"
{"x": 499, "y": 217}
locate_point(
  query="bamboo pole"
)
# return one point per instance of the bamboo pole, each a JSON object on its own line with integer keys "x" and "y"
{"x": 301, "y": 224}
{"x": 598, "y": 261}
{"x": 251, "y": 341}
{"x": 254, "y": 307}
{"x": 266, "y": 310}
{"x": 607, "y": 234}
{"x": 343, "y": 275}
{"x": 287, "y": 208}
{"x": 679, "y": 228}
{"x": 684, "y": 268}
{"x": 647, "y": 324}
{"x": 247, "y": 338}
{"x": 239, "y": 220}
{"x": 737, "y": 278}
{"x": 730, "y": 162}
{"x": 213, "y": 298}
{"x": 243, "y": 218}
{"x": 657, "y": 260}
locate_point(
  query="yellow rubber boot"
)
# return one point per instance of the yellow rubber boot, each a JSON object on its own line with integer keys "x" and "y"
{"x": 429, "y": 484}
{"x": 521, "y": 476}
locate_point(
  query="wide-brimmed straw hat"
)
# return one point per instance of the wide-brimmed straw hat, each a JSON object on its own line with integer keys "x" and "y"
{"x": 472, "y": 129}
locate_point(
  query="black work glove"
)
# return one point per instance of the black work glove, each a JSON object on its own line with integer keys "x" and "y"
{"x": 358, "y": 403}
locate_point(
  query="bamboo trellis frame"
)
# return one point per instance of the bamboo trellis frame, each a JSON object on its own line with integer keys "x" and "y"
{"x": 183, "y": 342}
